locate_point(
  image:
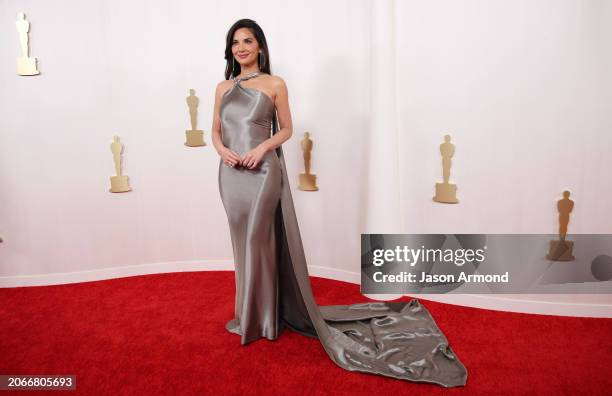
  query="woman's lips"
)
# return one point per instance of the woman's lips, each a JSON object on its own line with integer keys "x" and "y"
{"x": 243, "y": 56}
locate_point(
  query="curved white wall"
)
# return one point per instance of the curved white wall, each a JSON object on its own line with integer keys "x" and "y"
{"x": 523, "y": 87}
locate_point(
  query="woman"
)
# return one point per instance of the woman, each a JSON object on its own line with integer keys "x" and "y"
{"x": 273, "y": 292}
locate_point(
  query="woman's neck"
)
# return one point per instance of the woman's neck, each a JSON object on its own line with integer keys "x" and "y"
{"x": 246, "y": 71}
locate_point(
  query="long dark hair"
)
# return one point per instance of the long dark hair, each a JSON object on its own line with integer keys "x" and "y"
{"x": 232, "y": 69}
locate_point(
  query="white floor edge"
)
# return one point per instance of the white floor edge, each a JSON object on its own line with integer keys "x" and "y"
{"x": 486, "y": 301}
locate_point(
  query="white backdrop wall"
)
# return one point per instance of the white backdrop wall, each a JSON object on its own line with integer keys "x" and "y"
{"x": 525, "y": 90}
{"x": 523, "y": 87}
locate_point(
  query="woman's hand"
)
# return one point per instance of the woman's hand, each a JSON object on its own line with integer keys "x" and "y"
{"x": 253, "y": 157}
{"x": 230, "y": 157}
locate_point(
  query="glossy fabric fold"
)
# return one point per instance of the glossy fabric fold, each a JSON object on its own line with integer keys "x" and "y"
{"x": 273, "y": 291}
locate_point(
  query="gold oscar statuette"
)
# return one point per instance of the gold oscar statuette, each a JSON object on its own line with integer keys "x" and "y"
{"x": 308, "y": 181}
{"x": 195, "y": 137}
{"x": 26, "y": 66}
{"x": 119, "y": 182}
{"x": 561, "y": 250}
{"x": 446, "y": 192}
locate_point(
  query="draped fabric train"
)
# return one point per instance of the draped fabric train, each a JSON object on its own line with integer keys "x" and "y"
{"x": 273, "y": 291}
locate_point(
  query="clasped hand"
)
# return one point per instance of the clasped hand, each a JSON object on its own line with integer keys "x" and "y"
{"x": 250, "y": 160}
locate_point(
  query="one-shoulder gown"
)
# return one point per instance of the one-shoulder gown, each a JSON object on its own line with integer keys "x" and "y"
{"x": 273, "y": 291}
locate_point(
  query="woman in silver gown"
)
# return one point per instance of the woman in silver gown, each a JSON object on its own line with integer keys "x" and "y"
{"x": 273, "y": 292}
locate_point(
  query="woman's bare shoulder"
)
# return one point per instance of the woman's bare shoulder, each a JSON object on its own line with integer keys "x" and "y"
{"x": 276, "y": 79}
{"x": 223, "y": 86}
{"x": 277, "y": 83}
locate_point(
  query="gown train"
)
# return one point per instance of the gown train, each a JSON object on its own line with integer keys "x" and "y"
{"x": 394, "y": 339}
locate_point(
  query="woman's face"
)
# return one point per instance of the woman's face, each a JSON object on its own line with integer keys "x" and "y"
{"x": 244, "y": 46}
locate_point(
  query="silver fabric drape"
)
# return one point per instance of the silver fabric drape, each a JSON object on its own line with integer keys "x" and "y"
{"x": 273, "y": 292}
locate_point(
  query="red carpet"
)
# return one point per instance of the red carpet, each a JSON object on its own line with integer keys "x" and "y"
{"x": 164, "y": 334}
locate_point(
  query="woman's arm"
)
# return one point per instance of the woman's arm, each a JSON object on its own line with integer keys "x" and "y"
{"x": 230, "y": 157}
{"x": 284, "y": 117}
{"x": 216, "y": 123}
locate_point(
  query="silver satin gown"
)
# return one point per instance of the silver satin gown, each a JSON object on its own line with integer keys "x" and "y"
{"x": 273, "y": 292}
